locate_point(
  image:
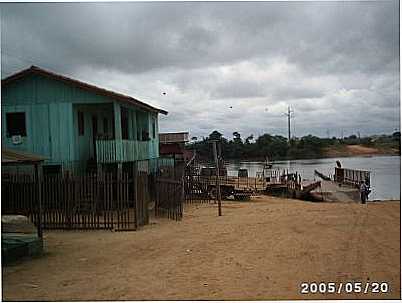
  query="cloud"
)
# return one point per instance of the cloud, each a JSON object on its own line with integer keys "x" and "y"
{"x": 224, "y": 65}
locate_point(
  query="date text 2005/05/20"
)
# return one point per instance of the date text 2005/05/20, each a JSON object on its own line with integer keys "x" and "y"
{"x": 344, "y": 287}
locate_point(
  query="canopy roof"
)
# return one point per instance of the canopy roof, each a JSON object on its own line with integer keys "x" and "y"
{"x": 9, "y": 156}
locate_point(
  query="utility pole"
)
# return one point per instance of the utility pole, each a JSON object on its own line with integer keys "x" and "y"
{"x": 289, "y": 123}
{"x": 218, "y": 186}
{"x": 289, "y": 115}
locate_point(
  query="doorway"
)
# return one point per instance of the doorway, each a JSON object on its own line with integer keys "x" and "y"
{"x": 94, "y": 134}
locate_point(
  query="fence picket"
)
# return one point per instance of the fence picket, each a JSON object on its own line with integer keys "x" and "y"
{"x": 73, "y": 202}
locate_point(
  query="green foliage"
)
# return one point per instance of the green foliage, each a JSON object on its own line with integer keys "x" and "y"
{"x": 272, "y": 146}
{"x": 278, "y": 147}
{"x": 215, "y": 135}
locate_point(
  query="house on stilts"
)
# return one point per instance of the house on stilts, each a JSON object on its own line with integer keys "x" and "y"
{"x": 76, "y": 126}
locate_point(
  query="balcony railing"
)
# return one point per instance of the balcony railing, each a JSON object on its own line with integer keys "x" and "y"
{"x": 109, "y": 151}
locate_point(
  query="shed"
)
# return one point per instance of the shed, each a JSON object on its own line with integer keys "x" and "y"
{"x": 13, "y": 157}
{"x": 18, "y": 238}
{"x": 16, "y": 157}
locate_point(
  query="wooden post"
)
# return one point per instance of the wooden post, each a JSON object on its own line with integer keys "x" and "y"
{"x": 174, "y": 166}
{"x": 218, "y": 186}
{"x": 135, "y": 178}
{"x": 117, "y": 132}
{"x": 119, "y": 170}
{"x": 40, "y": 230}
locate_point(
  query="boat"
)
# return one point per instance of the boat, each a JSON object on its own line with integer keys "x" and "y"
{"x": 322, "y": 176}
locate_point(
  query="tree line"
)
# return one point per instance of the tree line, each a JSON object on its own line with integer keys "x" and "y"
{"x": 277, "y": 147}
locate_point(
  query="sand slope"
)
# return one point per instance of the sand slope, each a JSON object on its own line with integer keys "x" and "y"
{"x": 358, "y": 150}
{"x": 261, "y": 249}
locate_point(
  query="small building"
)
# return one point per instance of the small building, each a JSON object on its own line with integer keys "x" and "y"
{"x": 75, "y": 125}
{"x": 173, "y": 145}
{"x": 19, "y": 236}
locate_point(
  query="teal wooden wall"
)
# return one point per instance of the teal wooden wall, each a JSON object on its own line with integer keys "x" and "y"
{"x": 83, "y": 144}
{"x": 49, "y": 130}
{"x": 51, "y": 108}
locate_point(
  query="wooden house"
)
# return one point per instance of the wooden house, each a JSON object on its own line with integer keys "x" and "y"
{"x": 75, "y": 125}
{"x": 172, "y": 145}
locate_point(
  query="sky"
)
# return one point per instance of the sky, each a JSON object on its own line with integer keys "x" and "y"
{"x": 226, "y": 66}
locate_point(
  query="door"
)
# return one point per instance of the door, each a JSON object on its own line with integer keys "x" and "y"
{"x": 94, "y": 134}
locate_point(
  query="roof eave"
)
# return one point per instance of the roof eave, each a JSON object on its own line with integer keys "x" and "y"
{"x": 123, "y": 98}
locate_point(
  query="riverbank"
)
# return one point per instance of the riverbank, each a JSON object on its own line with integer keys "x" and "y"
{"x": 262, "y": 249}
{"x": 359, "y": 150}
{"x": 335, "y": 151}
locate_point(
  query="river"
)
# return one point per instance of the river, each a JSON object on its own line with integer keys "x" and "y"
{"x": 385, "y": 171}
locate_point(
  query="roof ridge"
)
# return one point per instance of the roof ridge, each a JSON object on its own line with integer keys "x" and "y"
{"x": 81, "y": 84}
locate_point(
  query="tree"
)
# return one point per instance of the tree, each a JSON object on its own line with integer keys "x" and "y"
{"x": 272, "y": 146}
{"x": 249, "y": 138}
{"x": 237, "y": 138}
{"x": 215, "y": 135}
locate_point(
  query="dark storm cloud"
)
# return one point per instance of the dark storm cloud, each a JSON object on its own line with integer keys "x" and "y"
{"x": 224, "y": 63}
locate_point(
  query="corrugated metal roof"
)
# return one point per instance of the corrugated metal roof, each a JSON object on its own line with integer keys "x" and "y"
{"x": 36, "y": 70}
{"x": 9, "y": 156}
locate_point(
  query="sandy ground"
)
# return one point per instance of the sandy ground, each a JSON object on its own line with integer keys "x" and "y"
{"x": 261, "y": 249}
{"x": 358, "y": 150}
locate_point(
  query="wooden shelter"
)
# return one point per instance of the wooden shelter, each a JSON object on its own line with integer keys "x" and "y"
{"x": 15, "y": 157}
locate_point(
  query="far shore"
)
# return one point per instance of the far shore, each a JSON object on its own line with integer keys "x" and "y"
{"x": 359, "y": 150}
{"x": 345, "y": 151}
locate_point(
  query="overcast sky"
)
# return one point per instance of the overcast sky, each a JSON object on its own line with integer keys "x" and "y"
{"x": 225, "y": 66}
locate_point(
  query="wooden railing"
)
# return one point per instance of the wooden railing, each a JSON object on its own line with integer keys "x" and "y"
{"x": 351, "y": 176}
{"x": 110, "y": 151}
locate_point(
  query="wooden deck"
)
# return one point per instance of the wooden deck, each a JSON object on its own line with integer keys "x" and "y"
{"x": 258, "y": 184}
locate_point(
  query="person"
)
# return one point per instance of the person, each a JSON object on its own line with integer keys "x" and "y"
{"x": 368, "y": 191}
{"x": 363, "y": 192}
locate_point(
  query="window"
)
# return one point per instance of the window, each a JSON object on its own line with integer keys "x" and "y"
{"x": 145, "y": 135}
{"x": 81, "y": 125}
{"x": 105, "y": 126}
{"x": 16, "y": 124}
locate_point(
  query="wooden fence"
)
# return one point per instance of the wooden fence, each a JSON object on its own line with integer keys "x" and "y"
{"x": 108, "y": 200}
{"x": 197, "y": 189}
{"x": 173, "y": 188}
{"x": 79, "y": 202}
{"x": 169, "y": 198}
